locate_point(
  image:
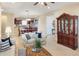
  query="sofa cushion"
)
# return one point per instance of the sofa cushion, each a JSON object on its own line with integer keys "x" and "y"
{"x": 28, "y": 36}
{"x": 23, "y": 36}
{"x": 39, "y": 35}
{"x": 32, "y": 34}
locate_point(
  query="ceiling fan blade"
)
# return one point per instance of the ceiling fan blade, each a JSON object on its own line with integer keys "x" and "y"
{"x": 52, "y": 2}
{"x": 36, "y": 3}
{"x": 45, "y": 3}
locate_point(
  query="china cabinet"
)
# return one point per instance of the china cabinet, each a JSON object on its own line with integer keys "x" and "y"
{"x": 67, "y": 30}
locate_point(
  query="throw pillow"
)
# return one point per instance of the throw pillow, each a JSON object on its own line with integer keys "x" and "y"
{"x": 39, "y": 35}
{"x": 3, "y": 40}
{"x": 4, "y": 45}
{"x": 28, "y": 36}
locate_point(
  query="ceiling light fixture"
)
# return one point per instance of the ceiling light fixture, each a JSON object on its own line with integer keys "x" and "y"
{"x": 43, "y": 3}
{"x": 27, "y": 15}
{"x": 48, "y": 7}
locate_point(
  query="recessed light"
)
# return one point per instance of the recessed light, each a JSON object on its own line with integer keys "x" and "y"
{"x": 48, "y": 7}
{"x": 41, "y": 3}
{"x": 1, "y": 9}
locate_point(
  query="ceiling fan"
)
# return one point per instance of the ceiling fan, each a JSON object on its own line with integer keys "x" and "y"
{"x": 44, "y": 3}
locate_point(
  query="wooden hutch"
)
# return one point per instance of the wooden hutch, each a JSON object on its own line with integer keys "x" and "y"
{"x": 67, "y": 30}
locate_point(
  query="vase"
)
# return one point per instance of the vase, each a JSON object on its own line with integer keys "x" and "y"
{"x": 36, "y": 49}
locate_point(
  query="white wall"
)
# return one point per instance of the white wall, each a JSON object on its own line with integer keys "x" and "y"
{"x": 49, "y": 26}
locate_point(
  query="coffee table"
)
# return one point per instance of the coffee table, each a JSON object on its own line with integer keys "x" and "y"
{"x": 43, "y": 52}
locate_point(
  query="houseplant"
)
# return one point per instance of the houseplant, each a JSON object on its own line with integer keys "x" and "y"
{"x": 38, "y": 44}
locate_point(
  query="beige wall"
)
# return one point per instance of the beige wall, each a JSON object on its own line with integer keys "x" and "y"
{"x": 7, "y": 20}
{"x": 0, "y": 23}
{"x": 4, "y": 23}
{"x": 42, "y": 24}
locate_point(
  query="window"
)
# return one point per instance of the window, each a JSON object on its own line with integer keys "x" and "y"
{"x": 24, "y": 22}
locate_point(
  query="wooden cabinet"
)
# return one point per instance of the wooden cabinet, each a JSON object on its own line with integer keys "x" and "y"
{"x": 67, "y": 30}
{"x": 27, "y": 30}
{"x": 17, "y": 21}
{"x": 29, "y": 26}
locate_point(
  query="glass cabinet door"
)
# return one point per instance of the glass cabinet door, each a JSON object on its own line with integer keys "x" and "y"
{"x": 71, "y": 26}
{"x": 66, "y": 26}
{"x": 59, "y": 25}
{"x": 76, "y": 26}
{"x": 62, "y": 21}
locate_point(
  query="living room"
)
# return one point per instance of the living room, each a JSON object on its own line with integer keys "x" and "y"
{"x": 39, "y": 19}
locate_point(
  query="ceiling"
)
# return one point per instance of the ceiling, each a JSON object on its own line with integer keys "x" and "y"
{"x": 18, "y": 8}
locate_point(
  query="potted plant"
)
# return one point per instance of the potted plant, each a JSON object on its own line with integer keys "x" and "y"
{"x": 38, "y": 44}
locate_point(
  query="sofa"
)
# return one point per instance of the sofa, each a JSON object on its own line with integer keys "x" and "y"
{"x": 6, "y": 49}
{"x": 31, "y": 41}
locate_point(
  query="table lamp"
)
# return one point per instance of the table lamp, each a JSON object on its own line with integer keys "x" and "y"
{"x": 8, "y": 31}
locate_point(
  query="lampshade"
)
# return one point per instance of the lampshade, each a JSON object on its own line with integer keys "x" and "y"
{"x": 8, "y": 31}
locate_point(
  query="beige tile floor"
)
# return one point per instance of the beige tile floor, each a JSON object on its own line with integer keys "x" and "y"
{"x": 18, "y": 41}
{"x": 59, "y": 50}
{"x": 51, "y": 45}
